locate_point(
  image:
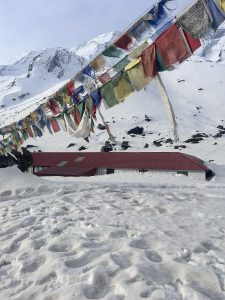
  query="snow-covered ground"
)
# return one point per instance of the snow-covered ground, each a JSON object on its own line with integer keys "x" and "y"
{"x": 145, "y": 237}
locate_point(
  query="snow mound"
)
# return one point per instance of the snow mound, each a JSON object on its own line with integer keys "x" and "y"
{"x": 12, "y": 179}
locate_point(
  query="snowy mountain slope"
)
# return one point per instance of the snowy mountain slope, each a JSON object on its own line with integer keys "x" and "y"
{"x": 95, "y": 46}
{"x": 214, "y": 48}
{"x": 36, "y": 73}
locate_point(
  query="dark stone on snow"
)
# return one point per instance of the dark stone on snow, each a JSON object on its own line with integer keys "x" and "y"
{"x": 146, "y": 146}
{"x": 147, "y": 119}
{"x": 222, "y": 131}
{"x": 200, "y": 135}
{"x": 157, "y": 143}
{"x": 71, "y": 145}
{"x": 23, "y": 160}
{"x": 125, "y": 145}
{"x": 180, "y": 147}
{"x": 107, "y": 147}
{"x": 82, "y": 148}
{"x": 101, "y": 127}
{"x": 220, "y": 127}
{"x": 218, "y": 135}
{"x": 194, "y": 140}
{"x": 137, "y": 130}
{"x": 169, "y": 141}
{"x": 30, "y": 146}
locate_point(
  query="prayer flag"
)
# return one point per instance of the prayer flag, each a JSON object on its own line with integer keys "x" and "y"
{"x": 104, "y": 78}
{"x": 89, "y": 71}
{"x": 70, "y": 87}
{"x": 108, "y": 95}
{"x": 113, "y": 52}
{"x": 157, "y": 14}
{"x": 196, "y": 20}
{"x": 140, "y": 31}
{"x": 149, "y": 61}
{"x": 122, "y": 64}
{"x": 171, "y": 46}
{"x": 98, "y": 63}
{"x": 55, "y": 126}
{"x": 194, "y": 43}
{"x": 138, "y": 51}
{"x": 122, "y": 86}
{"x": 136, "y": 75}
{"x": 124, "y": 42}
{"x": 96, "y": 97}
{"x": 217, "y": 14}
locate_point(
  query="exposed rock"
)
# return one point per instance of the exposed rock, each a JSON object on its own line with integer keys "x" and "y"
{"x": 194, "y": 140}
{"x": 23, "y": 160}
{"x": 137, "y": 130}
{"x": 200, "y": 135}
{"x": 82, "y": 148}
{"x": 147, "y": 119}
{"x": 30, "y": 146}
{"x": 218, "y": 135}
{"x": 125, "y": 145}
{"x": 101, "y": 127}
{"x": 71, "y": 145}
{"x": 221, "y": 127}
{"x": 107, "y": 147}
{"x": 158, "y": 143}
{"x": 169, "y": 141}
{"x": 146, "y": 146}
{"x": 180, "y": 147}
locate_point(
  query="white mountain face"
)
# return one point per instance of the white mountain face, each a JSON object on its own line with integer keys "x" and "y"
{"x": 95, "y": 46}
{"x": 214, "y": 46}
{"x": 37, "y": 71}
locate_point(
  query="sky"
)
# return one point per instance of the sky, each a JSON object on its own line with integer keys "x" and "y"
{"x": 40, "y": 24}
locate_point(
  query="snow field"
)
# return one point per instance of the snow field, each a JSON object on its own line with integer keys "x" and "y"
{"x": 108, "y": 240}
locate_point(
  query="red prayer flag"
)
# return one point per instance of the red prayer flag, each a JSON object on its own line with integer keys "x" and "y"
{"x": 193, "y": 43}
{"x": 149, "y": 61}
{"x": 76, "y": 115}
{"x": 70, "y": 86}
{"x": 171, "y": 46}
{"x": 124, "y": 42}
{"x": 104, "y": 78}
{"x": 55, "y": 126}
{"x": 54, "y": 107}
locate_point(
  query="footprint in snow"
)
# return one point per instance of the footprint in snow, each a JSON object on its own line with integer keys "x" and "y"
{"x": 139, "y": 244}
{"x": 99, "y": 285}
{"x": 153, "y": 256}
{"x": 32, "y": 265}
{"x": 120, "y": 260}
{"x": 118, "y": 234}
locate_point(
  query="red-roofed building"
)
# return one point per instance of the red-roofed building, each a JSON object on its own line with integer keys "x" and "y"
{"x": 98, "y": 163}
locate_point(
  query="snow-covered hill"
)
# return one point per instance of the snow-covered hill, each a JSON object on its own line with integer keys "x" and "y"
{"x": 214, "y": 48}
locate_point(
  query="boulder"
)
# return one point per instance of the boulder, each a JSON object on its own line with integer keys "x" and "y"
{"x": 136, "y": 130}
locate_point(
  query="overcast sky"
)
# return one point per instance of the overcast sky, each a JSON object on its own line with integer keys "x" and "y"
{"x": 39, "y": 24}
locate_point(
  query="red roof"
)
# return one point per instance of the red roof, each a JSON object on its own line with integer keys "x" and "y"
{"x": 81, "y": 163}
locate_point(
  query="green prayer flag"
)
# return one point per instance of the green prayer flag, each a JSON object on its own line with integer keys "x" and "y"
{"x": 160, "y": 66}
{"x": 121, "y": 65}
{"x": 113, "y": 52}
{"x": 108, "y": 95}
